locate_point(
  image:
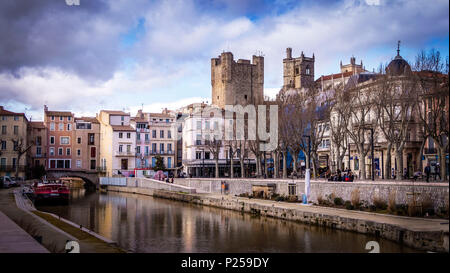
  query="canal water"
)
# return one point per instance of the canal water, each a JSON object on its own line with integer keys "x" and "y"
{"x": 145, "y": 224}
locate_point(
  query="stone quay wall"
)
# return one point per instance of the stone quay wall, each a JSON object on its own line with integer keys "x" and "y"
{"x": 438, "y": 193}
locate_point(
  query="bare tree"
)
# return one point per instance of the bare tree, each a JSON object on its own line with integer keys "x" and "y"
{"x": 394, "y": 107}
{"x": 433, "y": 99}
{"x": 359, "y": 121}
{"x": 21, "y": 148}
{"x": 214, "y": 147}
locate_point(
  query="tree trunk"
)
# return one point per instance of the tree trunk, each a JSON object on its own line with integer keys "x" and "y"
{"x": 294, "y": 163}
{"x": 442, "y": 165}
{"x": 217, "y": 167}
{"x": 388, "y": 173}
{"x": 241, "y": 159}
{"x": 275, "y": 164}
{"x": 362, "y": 164}
{"x": 314, "y": 166}
{"x": 419, "y": 159}
{"x": 284, "y": 164}
{"x": 231, "y": 167}
{"x": 399, "y": 156}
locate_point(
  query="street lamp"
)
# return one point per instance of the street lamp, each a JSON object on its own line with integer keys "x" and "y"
{"x": 307, "y": 172}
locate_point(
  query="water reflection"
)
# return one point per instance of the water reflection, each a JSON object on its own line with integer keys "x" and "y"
{"x": 146, "y": 224}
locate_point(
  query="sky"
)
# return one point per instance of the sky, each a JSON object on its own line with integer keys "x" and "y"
{"x": 128, "y": 55}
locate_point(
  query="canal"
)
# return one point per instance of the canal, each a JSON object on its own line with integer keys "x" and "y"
{"x": 145, "y": 224}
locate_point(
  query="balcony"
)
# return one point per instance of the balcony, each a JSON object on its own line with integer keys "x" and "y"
{"x": 101, "y": 169}
{"x": 147, "y": 141}
{"x": 11, "y": 168}
{"x": 124, "y": 153}
{"x": 142, "y": 130}
{"x": 139, "y": 141}
{"x": 430, "y": 151}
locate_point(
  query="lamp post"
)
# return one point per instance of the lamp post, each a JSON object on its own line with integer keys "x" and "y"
{"x": 307, "y": 173}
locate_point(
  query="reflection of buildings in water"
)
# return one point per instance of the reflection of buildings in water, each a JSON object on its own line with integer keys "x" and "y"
{"x": 77, "y": 194}
{"x": 105, "y": 218}
{"x": 129, "y": 232}
{"x": 188, "y": 227}
{"x": 117, "y": 200}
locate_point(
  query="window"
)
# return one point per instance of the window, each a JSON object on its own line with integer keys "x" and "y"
{"x": 169, "y": 147}
{"x": 67, "y": 164}
{"x": 128, "y": 135}
{"x": 161, "y": 147}
{"x": 15, "y": 145}
{"x": 68, "y": 151}
{"x": 198, "y": 140}
{"x": 53, "y": 117}
{"x": 64, "y": 140}
{"x": 308, "y": 70}
{"x": 120, "y": 148}
{"x": 146, "y": 150}
{"x": 356, "y": 164}
{"x": 52, "y": 140}
{"x": 169, "y": 162}
{"x": 198, "y": 155}
{"x": 38, "y": 150}
{"x": 52, "y": 126}
{"x": 91, "y": 139}
{"x": 3, "y": 161}
{"x": 61, "y": 118}
{"x": 153, "y": 133}
{"x": 199, "y": 124}
{"x": 207, "y": 155}
{"x": 61, "y": 126}
{"x": 93, "y": 164}
{"x": 138, "y": 136}
{"x": 4, "y": 129}
{"x": 78, "y": 152}
{"x": 138, "y": 149}
{"x": 69, "y": 118}
{"x": 154, "y": 147}
{"x": 60, "y": 151}
{"x": 146, "y": 137}
{"x": 52, "y": 151}
{"x": 122, "y": 118}
{"x": 69, "y": 126}
{"x": 78, "y": 163}
{"x": 38, "y": 141}
{"x": 93, "y": 152}
{"x": 79, "y": 140}
{"x": 83, "y": 125}
{"x": 4, "y": 117}
{"x": 16, "y": 129}
{"x": 120, "y": 135}
{"x": 3, "y": 145}
{"x": 128, "y": 148}
{"x": 161, "y": 134}
{"x": 14, "y": 162}
{"x": 292, "y": 189}
{"x": 169, "y": 134}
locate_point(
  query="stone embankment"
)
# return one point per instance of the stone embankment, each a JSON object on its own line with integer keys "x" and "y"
{"x": 420, "y": 233}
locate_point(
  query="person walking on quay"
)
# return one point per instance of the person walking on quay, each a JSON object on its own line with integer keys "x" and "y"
{"x": 437, "y": 172}
{"x": 428, "y": 171}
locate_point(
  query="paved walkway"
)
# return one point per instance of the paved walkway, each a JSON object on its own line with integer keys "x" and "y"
{"x": 409, "y": 223}
{"x": 13, "y": 239}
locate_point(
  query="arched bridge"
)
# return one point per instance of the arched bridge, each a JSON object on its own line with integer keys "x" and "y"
{"x": 91, "y": 178}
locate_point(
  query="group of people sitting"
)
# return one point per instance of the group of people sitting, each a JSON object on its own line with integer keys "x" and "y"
{"x": 346, "y": 176}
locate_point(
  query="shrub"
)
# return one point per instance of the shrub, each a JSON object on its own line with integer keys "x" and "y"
{"x": 392, "y": 206}
{"x": 292, "y": 198}
{"x": 348, "y": 205}
{"x": 401, "y": 210}
{"x": 379, "y": 203}
{"x": 320, "y": 199}
{"x": 356, "y": 198}
{"x": 372, "y": 208}
{"x": 427, "y": 205}
{"x": 338, "y": 201}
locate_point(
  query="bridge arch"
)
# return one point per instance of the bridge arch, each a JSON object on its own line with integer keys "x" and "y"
{"x": 90, "y": 179}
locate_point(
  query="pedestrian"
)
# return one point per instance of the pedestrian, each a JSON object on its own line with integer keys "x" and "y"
{"x": 427, "y": 172}
{"x": 437, "y": 171}
{"x": 393, "y": 173}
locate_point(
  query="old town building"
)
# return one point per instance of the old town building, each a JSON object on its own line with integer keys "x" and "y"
{"x": 86, "y": 144}
{"x": 13, "y": 143}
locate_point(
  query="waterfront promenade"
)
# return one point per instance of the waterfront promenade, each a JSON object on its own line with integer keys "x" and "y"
{"x": 14, "y": 239}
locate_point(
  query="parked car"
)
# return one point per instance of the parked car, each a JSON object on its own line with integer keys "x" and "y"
{"x": 14, "y": 182}
{"x": 6, "y": 182}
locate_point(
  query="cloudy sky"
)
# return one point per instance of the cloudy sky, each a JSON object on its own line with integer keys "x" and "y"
{"x": 122, "y": 54}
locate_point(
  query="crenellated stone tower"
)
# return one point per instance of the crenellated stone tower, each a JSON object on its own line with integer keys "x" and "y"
{"x": 238, "y": 82}
{"x": 297, "y": 72}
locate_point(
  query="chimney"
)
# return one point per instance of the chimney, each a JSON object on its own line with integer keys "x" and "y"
{"x": 45, "y": 108}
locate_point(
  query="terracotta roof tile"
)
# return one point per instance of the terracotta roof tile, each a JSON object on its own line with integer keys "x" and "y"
{"x": 115, "y": 113}
{"x": 58, "y": 113}
{"x": 37, "y": 124}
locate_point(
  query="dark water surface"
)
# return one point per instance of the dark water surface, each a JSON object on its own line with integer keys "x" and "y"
{"x": 146, "y": 224}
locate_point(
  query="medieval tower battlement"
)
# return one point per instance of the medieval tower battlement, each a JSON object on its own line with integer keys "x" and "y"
{"x": 297, "y": 72}
{"x": 238, "y": 82}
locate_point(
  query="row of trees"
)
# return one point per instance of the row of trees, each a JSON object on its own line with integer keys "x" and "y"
{"x": 400, "y": 108}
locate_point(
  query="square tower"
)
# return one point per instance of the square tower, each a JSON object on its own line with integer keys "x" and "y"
{"x": 297, "y": 72}
{"x": 238, "y": 82}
